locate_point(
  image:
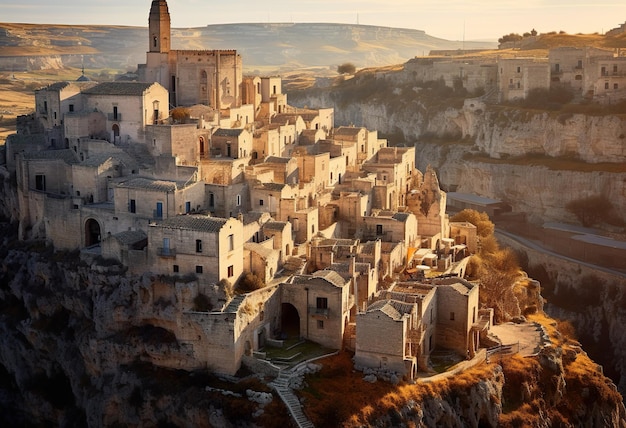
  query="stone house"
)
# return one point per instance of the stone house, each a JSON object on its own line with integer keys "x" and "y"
{"x": 129, "y": 107}
{"x": 280, "y": 234}
{"x": 53, "y": 102}
{"x": 464, "y": 233}
{"x": 210, "y": 247}
{"x": 271, "y": 92}
{"x": 221, "y": 339}
{"x": 518, "y": 76}
{"x": 395, "y": 166}
{"x": 231, "y": 143}
{"x": 393, "y": 258}
{"x": 269, "y": 197}
{"x": 391, "y": 227}
{"x": 398, "y": 323}
{"x": 317, "y": 307}
{"x": 457, "y": 306}
{"x": 284, "y": 169}
{"x": 265, "y": 142}
{"x": 415, "y": 318}
{"x": 152, "y": 199}
{"x": 261, "y": 259}
{"x": 313, "y": 167}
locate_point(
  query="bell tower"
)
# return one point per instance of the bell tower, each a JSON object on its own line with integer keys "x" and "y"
{"x": 159, "y": 27}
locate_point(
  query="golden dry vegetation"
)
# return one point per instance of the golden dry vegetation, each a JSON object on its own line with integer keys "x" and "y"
{"x": 338, "y": 395}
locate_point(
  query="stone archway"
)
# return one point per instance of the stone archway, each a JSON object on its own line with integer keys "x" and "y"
{"x": 115, "y": 129}
{"x": 202, "y": 147}
{"x": 290, "y": 321}
{"x": 92, "y": 232}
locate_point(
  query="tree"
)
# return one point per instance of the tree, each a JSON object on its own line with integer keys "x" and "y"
{"x": 180, "y": 114}
{"x": 590, "y": 210}
{"x": 346, "y": 68}
{"x": 498, "y": 276}
{"x": 512, "y": 37}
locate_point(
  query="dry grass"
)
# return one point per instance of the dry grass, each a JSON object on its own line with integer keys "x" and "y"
{"x": 338, "y": 395}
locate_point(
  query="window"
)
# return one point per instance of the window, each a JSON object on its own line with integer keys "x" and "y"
{"x": 231, "y": 242}
{"x": 114, "y": 112}
{"x": 615, "y": 69}
{"x": 519, "y": 69}
{"x": 615, "y": 86}
{"x": 238, "y": 200}
{"x": 379, "y": 229}
{"x": 320, "y": 324}
{"x": 606, "y": 85}
{"x": 231, "y": 271}
{"x": 451, "y": 316}
{"x": 71, "y": 108}
{"x": 322, "y": 303}
{"x": 40, "y": 182}
{"x": 175, "y": 268}
{"x": 261, "y": 202}
{"x": 198, "y": 269}
{"x": 198, "y": 245}
{"x": 132, "y": 206}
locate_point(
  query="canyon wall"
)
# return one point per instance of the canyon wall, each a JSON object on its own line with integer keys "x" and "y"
{"x": 535, "y": 161}
{"x": 592, "y": 299}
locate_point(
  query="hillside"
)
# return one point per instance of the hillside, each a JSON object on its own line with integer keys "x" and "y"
{"x": 263, "y": 47}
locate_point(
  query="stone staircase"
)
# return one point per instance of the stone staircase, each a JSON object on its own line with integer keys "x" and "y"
{"x": 281, "y": 386}
{"x": 235, "y": 302}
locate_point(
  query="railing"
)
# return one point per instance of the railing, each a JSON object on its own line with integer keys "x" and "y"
{"x": 114, "y": 117}
{"x": 156, "y": 215}
{"x": 323, "y": 312}
{"x": 166, "y": 252}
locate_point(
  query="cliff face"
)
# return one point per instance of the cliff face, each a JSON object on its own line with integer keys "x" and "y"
{"x": 83, "y": 344}
{"x": 593, "y": 300}
{"x": 535, "y": 161}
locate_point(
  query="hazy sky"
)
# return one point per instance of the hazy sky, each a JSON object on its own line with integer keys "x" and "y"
{"x": 447, "y": 19}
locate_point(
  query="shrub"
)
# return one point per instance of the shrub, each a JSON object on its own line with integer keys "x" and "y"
{"x": 591, "y": 210}
{"x": 201, "y": 303}
{"x": 250, "y": 282}
{"x": 346, "y": 68}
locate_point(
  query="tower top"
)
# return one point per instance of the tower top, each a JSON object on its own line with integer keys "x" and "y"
{"x": 159, "y": 27}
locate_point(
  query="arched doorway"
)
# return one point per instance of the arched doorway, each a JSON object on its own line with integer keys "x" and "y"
{"x": 290, "y": 321}
{"x": 92, "y": 232}
{"x": 202, "y": 148}
{"x": 116, "y": 133}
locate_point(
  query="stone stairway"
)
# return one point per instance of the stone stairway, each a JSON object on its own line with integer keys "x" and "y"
{"x": 281, "y": 386}
{"x": 235, "y": 302}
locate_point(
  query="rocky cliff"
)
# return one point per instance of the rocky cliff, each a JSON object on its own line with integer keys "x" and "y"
{"x": 535, "y": 161}
{"x": 83, "y": 343}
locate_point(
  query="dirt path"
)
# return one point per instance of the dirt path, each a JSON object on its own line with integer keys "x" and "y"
{"x": 529, "y": 336}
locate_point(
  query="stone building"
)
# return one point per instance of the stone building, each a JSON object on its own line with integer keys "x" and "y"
{"x": 211, "y": 77}
{"x": 317, "y": 307}
{"x": 517, "y": 77}
{"x": 210, "y": 247}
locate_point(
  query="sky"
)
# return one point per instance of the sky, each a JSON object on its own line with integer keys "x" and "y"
{"x": 446, "y": 19}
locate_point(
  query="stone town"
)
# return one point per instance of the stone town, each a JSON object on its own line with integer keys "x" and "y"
{"x": 326, "y": 217}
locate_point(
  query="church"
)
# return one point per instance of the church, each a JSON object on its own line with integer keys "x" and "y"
{"x": 209, "y": 77}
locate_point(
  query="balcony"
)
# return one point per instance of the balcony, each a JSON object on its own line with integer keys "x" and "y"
{"x": 114, "y": 117}
{"x": 157, "y": 215}
{"x": 168, "y": 253}
{"x": 319, "y": 312}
